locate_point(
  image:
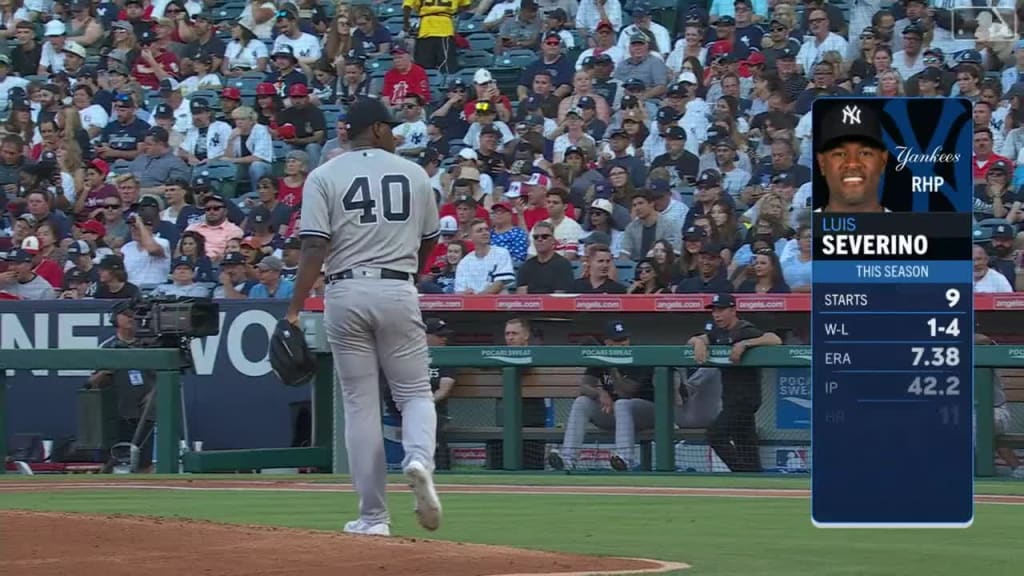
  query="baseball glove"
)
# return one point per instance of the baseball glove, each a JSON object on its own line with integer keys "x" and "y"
{"x": 290, "y": 357}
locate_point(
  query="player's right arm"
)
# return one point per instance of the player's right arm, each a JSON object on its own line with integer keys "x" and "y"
{"x": 315, "y": 231}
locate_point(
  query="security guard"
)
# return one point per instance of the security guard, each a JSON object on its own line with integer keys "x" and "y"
{"x": 733, "y": 434}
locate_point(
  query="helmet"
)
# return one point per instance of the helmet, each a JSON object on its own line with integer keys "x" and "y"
{"x": 266, "y": 89}
{"x": 290, "y": 357}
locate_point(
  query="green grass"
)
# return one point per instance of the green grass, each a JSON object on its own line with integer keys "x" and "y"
{"x": 717, "y": 536}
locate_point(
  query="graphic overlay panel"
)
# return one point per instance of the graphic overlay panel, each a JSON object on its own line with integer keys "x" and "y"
{"x": 892, "y": 318}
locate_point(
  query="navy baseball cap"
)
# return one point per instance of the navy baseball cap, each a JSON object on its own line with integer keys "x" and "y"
{"x": 182, "y": 261}
{"x": 18, "y": 256}
{"x": 722, "y": 300}
{"x": 438, "y": 327}
{"x": 616, "y": 330}
{"x": 574, "y": 150}
{"x": 79, "y": 248}
{"x": 232, "y": 258}
{"x": 163, "y": 111}
{"x": 366, "y": 112}
{"x": 1002, "y": 231}
{"x": 427, "y": 156}
{"x": 586, "y": 103}
{"x": 709, "y": 179}
{"x": 111, "y": 262}
{"x": 851, "y": 120}
{"x": 694, "y": 233}
{"x": 667, "y": 114}
{"x": 675, "y": 133}
{"x": 634, "y": 84}
{"x": 260, "y": 215}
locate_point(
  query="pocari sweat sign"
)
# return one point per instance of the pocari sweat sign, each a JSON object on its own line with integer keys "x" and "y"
{"x": 793, "y": 399}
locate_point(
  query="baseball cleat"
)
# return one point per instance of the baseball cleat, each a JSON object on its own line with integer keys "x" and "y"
{"x": 428, "y": 505}
{"x": 365, "y": 528}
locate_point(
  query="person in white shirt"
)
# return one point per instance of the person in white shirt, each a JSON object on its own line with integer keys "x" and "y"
{"x": 51, "y": 59}
{"x": 250, "y": 144}
{"x": 258, "y": 16}
{"x": 147, "y": 258}
{"x": 93, "y": 116}
{"x": 642, "y": 23}
{"x": 206, "y": 140}
{"x": 822, "y": 40}
{"x": 498, "y": 12}
{"x": 411, "y": 135}
{"x": 305, "y": 47}
{"x": 592, "y": 13}
{"x": 245, "y": 52}
{"x": 910, "y": 60}
{"x": 203, "y": 77}
{"x": 567, "y": 231}
{"x": 572, "y": 134}
{"x": 487, "y": 269}
{"x": 987, "y": 280}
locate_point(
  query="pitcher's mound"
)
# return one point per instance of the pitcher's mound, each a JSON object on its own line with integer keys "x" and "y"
{"x": 44, "y": 544}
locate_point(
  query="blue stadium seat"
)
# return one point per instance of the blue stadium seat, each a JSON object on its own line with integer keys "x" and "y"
{"x": 470, "y": 25}
{"x": 228, "y": 11}
{"x": 382, "y": 62}
{"x": 394, "y": 25}
{"x": 518, "y": 58}
{"x": 484, "y": 41}
{"x": 476, "y": 59}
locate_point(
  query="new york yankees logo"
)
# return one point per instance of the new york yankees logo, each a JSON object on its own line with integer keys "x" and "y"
{"x": 851, "y": 115}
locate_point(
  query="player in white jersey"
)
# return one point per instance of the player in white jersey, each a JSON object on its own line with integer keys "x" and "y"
{"x": 371, "y": 215}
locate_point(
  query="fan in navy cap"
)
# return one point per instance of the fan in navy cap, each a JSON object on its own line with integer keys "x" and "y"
{"x": 1004, "y": 257}
{"x": 733, "y": 434}
{"x": 851, "y": 154}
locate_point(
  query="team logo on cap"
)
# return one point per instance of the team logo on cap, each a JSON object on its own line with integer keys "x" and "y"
{"x": 851, "y": 115}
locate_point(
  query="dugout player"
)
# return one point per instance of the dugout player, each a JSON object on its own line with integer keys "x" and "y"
{"x": 611, "y": 398}
{"x": 435, "y": 42}
{"x": 442, "y": 381}
{"x": 733, "y": 435}
{"x": 371, "y": 215}
{"x": 852, "y": 157}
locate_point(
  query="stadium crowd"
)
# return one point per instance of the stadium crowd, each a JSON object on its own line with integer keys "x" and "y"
{"x": 578, "y": 147}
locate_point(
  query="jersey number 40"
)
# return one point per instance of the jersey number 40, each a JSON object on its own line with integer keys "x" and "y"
{"x": 392, "y": 187}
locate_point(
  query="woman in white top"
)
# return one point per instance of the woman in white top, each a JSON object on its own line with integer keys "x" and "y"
{"x": 93, "y": 116}
{"x": 245, "y": 52}
{"x": 259, "y": 17}
{"x": 689, "y": 45}
{"x": 203, "y": 77}
{"x": 572, "y": 134}
{"x": 796, "y": 268}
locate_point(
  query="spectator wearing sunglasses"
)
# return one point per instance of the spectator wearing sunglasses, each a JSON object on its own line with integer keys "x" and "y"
{"x": 646, "y": 280}
{"x": 216, "y": 229}
{"x": 547, "y": 272}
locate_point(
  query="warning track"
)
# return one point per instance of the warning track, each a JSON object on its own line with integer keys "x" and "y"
{"x": 296, "y": 486}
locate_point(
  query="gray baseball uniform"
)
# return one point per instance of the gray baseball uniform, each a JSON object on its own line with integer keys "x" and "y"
{"x": 375, "y": 208}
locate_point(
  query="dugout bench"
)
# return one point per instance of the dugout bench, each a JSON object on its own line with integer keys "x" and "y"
{"x": 1013, "y": 386}
{"x": 508, "y": 362}
{"x": 553, "y": 383}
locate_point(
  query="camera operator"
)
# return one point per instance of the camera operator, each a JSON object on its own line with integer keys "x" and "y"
{"x": 134, "y": 388}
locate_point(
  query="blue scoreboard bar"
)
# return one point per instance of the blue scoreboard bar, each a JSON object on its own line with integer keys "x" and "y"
{"x": 892, "y": 313}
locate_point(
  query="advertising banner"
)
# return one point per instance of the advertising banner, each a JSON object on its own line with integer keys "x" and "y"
{"x": 232, "y": 400}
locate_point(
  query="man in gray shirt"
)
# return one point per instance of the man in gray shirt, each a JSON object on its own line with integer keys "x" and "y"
{"x": 641, "y": 65}
{"x": 646, "y": 228}
{"x": 159, "y": 164}
{"x": 522, "y": 31}
{"x": 19, "y": 279}
{"x": 183, "y": 272}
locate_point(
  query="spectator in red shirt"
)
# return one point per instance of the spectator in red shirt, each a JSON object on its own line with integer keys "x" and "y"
{"x": 47, "y": 258}
{"x": 534, "y": 209}
{"x": 296, "y": 167}
{"x": 404, "y": 78}
{"x": 487, "y": 89}
{"x": 984, "y": 157}
{"x": 449, "y": 228}
{"x": 155, "y": 62}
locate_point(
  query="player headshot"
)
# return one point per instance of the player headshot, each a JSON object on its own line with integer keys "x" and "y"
{"x": 852, "y": 158}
